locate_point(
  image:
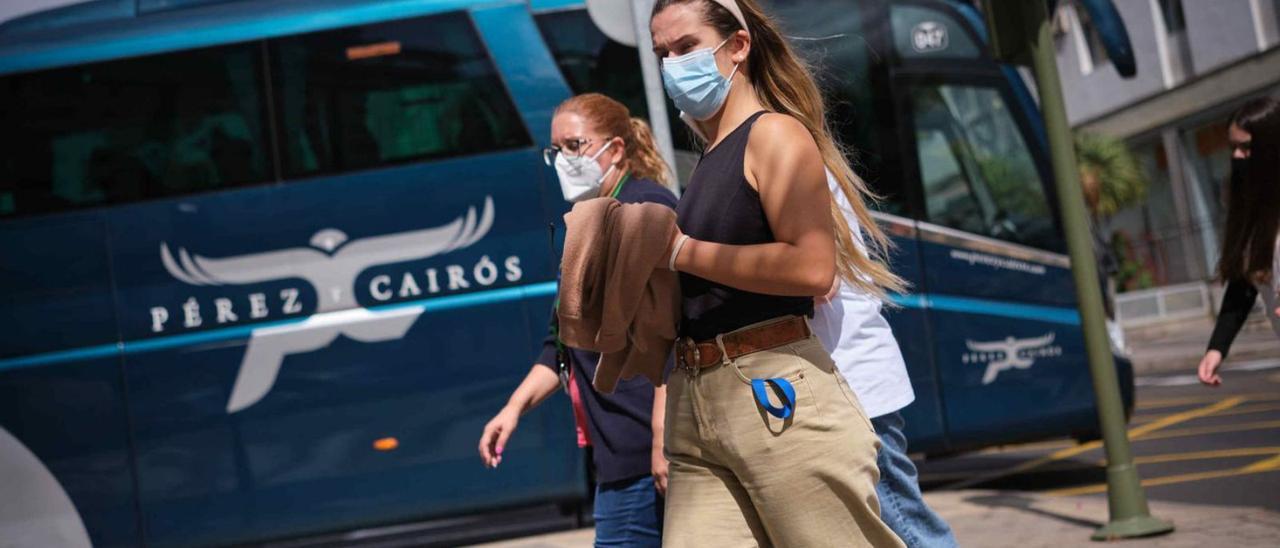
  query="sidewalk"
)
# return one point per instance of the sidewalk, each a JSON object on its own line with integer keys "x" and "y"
{"x": 1178, "y": 347}
{"x": 993, "y": 519}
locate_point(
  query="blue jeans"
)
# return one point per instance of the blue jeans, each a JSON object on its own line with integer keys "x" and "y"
{"x": 628, "y": 514}
{"x": 902, "y": 505}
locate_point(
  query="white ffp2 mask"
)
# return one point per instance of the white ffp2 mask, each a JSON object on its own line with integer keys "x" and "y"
{"x": 580, "y": 179}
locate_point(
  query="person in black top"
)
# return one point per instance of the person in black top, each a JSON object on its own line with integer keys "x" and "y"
{"x": 761, "y": 237}
{"x": 1249, "y": 248}
{"x": 599, "y": 150}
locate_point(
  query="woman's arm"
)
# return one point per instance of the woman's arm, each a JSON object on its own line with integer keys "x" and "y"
{"x": 657, "y": 458}
{"x": 785, "y": 167}
{"x": 538, "y": 385}
{"x": 1237, "y": 302}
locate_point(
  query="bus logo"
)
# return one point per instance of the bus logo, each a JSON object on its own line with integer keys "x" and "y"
{"x": 929, "y": 36}
{"x": 331, "y": 264}
{"x": 1011, "y": 353}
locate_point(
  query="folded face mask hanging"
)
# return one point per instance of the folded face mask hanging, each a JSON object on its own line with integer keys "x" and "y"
{"x": 782, "y": 389}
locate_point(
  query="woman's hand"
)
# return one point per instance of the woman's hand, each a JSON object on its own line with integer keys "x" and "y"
{"x": 496, "y": 434}
{"x": 660, "y": 467}
{"x": 1209, "y": 368}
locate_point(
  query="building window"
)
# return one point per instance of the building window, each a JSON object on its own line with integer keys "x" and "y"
{"x": 1174, "y": 20}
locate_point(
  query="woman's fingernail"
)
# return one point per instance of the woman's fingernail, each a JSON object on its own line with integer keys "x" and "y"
{"x": 499, "y": 451}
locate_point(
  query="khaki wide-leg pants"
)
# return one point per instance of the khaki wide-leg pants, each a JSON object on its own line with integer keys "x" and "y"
{"x": 741, "y": 477}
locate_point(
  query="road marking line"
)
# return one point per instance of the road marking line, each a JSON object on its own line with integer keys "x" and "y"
{"x": 1201, "y": 430}
{"x": 1191, "y": 400}
{"x": 1085, "y": 447}
{"x": 1203, "y": 455}
{"x": 1256, "y": 365}
{"x": 1242, "y": 410}
{"x": 1185, "y": 416}
{"x": 1266, "y": 465}
{"x": 1020, "y": 447}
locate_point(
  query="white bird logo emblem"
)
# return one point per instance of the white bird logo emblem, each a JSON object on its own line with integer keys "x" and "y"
{"x": 1011, "y": 350}
{"x": 331, "y": 266}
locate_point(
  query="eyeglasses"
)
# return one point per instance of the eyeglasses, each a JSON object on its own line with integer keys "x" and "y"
{"x": 572, "y": 149}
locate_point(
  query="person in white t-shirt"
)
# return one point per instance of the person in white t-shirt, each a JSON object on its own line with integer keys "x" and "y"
{"x": 851, "y": 327}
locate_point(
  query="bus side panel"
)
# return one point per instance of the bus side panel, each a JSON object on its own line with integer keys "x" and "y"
{"x": 55, "y": 286}
{"x": 925, "y": 428}
{"x": 996, "y": 276}
{"x": 1011, "y": 363}
{"x": 71, "y": 416}
{"x": 992, "y": 399}
{"x": 61, "y": 396}
{"x": 376, "y": 409}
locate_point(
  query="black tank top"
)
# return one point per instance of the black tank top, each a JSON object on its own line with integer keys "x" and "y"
{"x": 720, "y": 206}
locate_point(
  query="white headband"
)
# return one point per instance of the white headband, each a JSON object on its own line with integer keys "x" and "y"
{"x": 732, "y": 6}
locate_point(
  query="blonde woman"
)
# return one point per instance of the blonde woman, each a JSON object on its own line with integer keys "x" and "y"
{"x": 767, "y": 444}
{"x": 599, "y": 150}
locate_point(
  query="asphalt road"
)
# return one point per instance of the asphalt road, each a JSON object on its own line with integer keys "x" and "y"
{"x": 1218, "y": 446}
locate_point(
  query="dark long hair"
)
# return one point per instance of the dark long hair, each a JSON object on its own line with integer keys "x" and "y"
{"x": 1253, "y": 206}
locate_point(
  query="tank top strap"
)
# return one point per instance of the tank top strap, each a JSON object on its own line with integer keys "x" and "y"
{"x": 736, "y": 141}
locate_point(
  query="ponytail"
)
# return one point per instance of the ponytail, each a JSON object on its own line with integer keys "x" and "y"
{"x": 642, "y": 154}
{"x": 784, "y": 84}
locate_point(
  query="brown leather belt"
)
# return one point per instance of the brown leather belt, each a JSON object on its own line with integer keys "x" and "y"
{"x": 693, "y": 357}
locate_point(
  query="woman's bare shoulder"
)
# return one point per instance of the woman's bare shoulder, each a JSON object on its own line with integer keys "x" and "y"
{"x": 777, "y": 136}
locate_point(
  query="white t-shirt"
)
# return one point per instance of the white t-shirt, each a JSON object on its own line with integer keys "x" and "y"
{"x": 861, "y": 343}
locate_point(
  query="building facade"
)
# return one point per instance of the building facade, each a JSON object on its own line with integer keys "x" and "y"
{"x": 1198, "y": 60}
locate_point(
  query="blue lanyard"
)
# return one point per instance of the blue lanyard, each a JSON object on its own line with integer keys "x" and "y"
{"x": 785, "y": 392}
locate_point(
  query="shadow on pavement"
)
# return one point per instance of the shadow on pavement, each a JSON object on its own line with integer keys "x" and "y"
{"x": 1026, "y": 504}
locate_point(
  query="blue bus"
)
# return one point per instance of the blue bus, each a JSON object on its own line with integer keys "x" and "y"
{"x": 266, "y": 267}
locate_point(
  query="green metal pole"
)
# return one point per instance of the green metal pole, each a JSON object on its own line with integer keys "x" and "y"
{"x": 1130, "y": 516}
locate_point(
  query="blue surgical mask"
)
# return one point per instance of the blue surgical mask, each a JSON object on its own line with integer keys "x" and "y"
{"x": 694, "y": 83}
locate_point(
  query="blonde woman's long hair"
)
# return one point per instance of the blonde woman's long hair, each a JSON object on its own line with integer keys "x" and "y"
{"x": 784, "y": 84}
{"x": 612, "y": 118}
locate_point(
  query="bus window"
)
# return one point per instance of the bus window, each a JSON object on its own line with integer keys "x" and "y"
{"x": 977, "y": 172}
{"x": 389, "y": 93}
{"x": 128, "y": 130}
{"x": 591, "y": 62}
{"x": 829, "y": 35}
{"x": 923, "y": 33}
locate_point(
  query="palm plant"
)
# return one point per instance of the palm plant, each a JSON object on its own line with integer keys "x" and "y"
{"x": 1110, "y": 175}
{"x": 1112, "y": 180}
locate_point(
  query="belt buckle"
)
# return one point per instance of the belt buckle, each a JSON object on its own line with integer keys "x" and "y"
{"x": 686, "y": 346}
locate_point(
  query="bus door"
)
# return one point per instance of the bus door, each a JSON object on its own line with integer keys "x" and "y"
{"x": 999, "y": 293}
{"x": 65, "y": 458}
{"x": 320, "y": 349}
